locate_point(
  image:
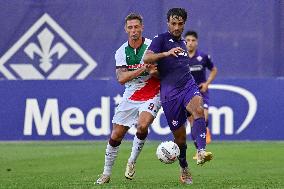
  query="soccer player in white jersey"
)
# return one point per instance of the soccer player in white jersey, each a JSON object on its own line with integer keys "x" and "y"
{"x": 141, "y": 99}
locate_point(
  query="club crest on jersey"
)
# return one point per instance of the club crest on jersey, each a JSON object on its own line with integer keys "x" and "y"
{"x": 46, "y": 51}
{"x": 175, "y": 123}
{"x": 199, "y": 58}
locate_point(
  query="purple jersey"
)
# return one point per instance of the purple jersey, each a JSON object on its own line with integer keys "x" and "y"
{"x": 198, "y": 64}
{"x": 174, "y": 71}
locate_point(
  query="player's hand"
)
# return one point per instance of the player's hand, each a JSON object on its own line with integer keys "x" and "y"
{"x": 175, "y": 51}
{"x": 145, "y": 67}
{"x": 203, "y": 87}
{"x": 152, "y": 70}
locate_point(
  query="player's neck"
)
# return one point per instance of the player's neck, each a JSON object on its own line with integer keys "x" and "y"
{"x": 177, "y": 38}
{"x": 135, "y": 43}
{"x": 191, "y": 53}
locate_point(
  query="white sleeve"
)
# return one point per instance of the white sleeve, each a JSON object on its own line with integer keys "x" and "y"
{"x": 120, "y": 58}
{"x": 147, "y": 42}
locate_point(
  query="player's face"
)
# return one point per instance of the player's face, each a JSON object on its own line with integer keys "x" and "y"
{"x": 176, "y": 26}
{"x": 191, "y": 43}
{"x": 134, "y": 29}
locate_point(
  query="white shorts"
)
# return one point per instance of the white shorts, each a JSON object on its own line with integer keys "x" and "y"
{"x": 127, "y": 112}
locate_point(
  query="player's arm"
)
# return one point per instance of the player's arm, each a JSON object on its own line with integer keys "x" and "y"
{"x": 123, "y": 75}
{"x": 204, "y": 86}
{"x": 212, "y": 75}
{"x": 153, "y": 70}
{"x": 156, "y": 52}
{"x": 151, "y": 57}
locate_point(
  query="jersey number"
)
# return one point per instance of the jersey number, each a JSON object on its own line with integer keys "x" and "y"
{"x": 151, "y": 106}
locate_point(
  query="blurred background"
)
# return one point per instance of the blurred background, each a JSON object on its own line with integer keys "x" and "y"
{"x": 57, "y": 65}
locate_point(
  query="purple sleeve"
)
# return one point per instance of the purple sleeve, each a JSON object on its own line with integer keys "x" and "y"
{"x": 156, "y": 45}
{"x": 209, "y": 63}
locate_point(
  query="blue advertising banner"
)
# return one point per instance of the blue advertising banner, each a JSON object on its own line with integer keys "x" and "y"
{"x": 241, "y": 109}
{"x": 38, "y": 35}
{"x": 57, "y": 67}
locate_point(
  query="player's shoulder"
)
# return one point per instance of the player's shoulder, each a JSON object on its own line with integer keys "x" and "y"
{"x": 147, "y": 41}
{"x": 121, "y": 49}
{"x": 203, "y": 54}
{"x": 162, "y": 35}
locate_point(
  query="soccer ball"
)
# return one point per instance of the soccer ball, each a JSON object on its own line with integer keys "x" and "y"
{"x": 168, "y": 152}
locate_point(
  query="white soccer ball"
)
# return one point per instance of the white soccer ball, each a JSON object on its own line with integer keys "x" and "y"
{"x": 168, "y": 152}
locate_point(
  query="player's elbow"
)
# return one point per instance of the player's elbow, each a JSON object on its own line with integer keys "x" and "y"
{"x": 124, "y": 79}
{"x": 121, "y": 81}
{"x": 146, "y": 59}
{"x": 215, "y": 70}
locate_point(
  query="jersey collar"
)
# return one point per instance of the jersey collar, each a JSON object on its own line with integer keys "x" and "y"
{"x": 143, "y": 40}
{"x": 174, "y": 38}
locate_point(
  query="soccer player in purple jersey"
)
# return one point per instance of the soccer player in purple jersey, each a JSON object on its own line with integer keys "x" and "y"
{"x": 179, "y": 92}
{"x": 199, "y": 62}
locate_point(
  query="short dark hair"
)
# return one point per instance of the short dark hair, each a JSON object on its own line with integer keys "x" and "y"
{"x": 191, "y": 33}
{"x": 179, "y": 12}
{"x": 134, "y": 16}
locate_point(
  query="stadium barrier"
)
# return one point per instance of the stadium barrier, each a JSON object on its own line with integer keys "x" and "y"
{"x": 240, "y": 109}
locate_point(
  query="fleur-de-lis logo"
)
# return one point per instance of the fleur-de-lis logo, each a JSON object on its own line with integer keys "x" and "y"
{"x": 45, "y": 51}
{"x": 203, "y": 135}
{"x": 175, "y": 123}
{"x": 199, "y": 58}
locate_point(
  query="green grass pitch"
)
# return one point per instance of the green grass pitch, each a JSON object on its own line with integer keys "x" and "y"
{"x": 77, "y": 165}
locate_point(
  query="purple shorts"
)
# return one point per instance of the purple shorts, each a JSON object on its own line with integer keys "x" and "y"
{"x": 175, "y": 110}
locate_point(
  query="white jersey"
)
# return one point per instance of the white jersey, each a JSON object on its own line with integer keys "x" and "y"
{"x": 143, "y": 87}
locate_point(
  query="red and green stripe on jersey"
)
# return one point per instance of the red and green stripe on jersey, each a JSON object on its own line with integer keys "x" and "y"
{"x": 133, "y": 60}
{"x": 134, "y": 57}
{"x": 149, "y": 91}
